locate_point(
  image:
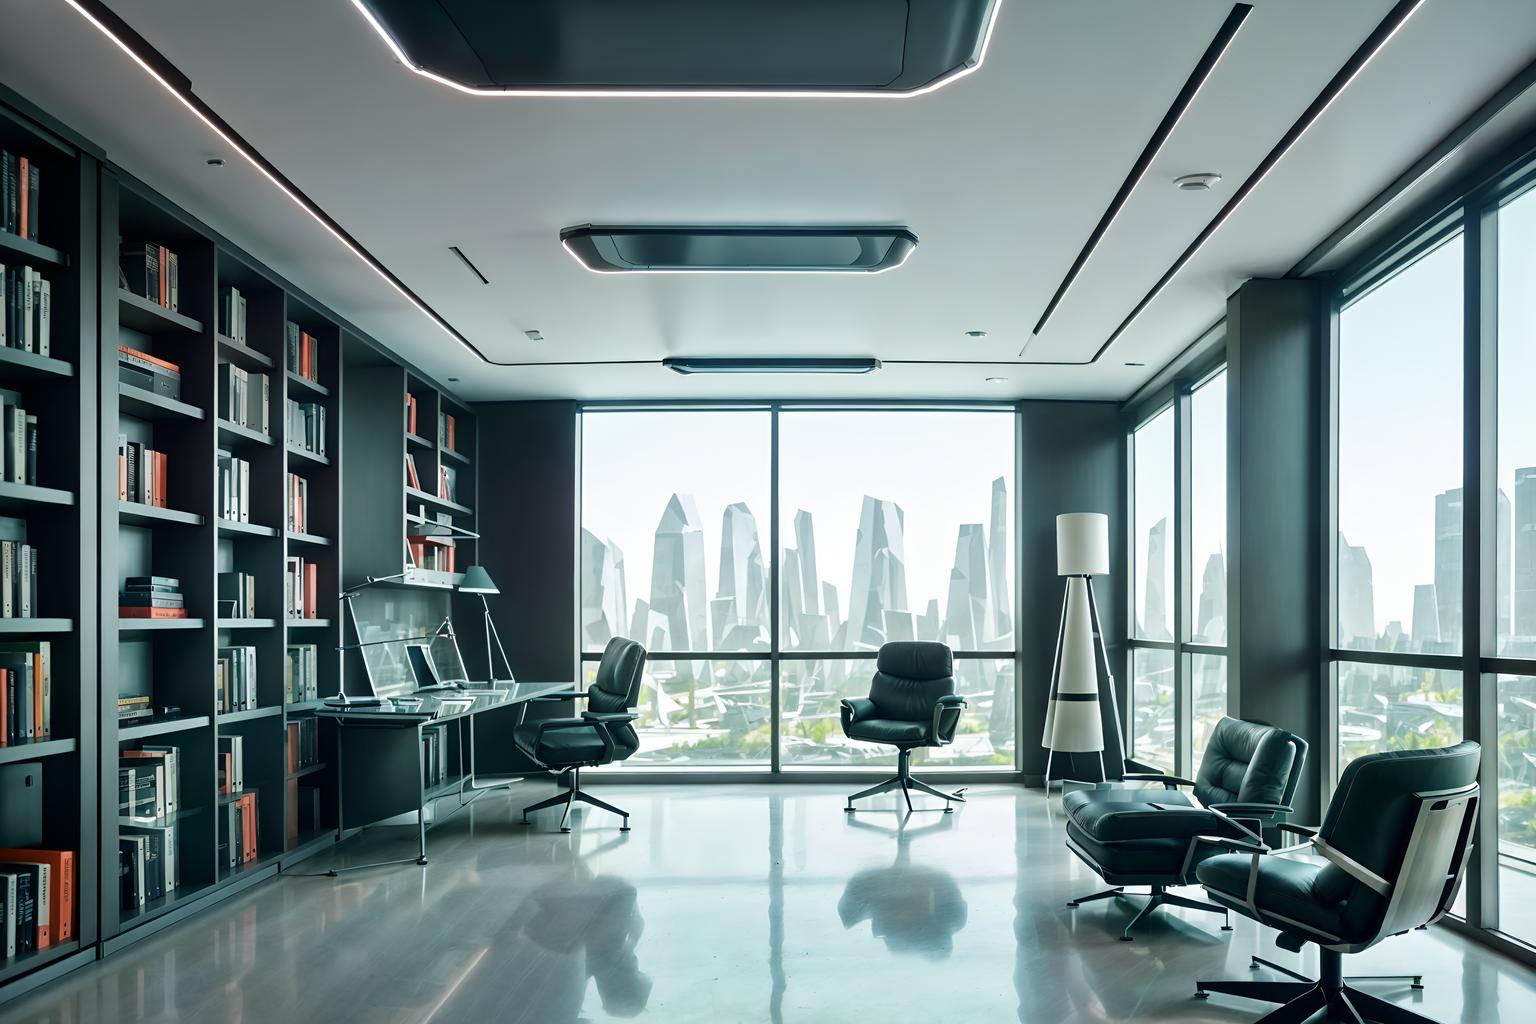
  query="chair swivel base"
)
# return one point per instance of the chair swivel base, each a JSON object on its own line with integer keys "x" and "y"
{"x": 569, "y": 798}
{"x": 1156, "y": 898}
{"x": 1301, "y": 999}
{"x": 906, "y": 783}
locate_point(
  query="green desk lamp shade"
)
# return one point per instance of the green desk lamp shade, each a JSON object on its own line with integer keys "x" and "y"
{"x": 477, "y": 581}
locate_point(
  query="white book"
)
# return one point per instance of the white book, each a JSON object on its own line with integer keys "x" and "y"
{"x": 45, "y": 320}
{"x": 28, "y": 275}
{"x": 8, "y": 893}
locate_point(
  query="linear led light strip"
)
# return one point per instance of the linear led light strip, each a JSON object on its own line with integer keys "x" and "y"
{"x": 1201, "y": 74}
{"x": 487, "y": 91}
{"x": 1373, "y": 45}
{"x": 618, "y": 272}
{"x": 260, "y": 164}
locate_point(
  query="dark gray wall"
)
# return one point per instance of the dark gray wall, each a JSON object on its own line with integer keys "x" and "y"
{"x": 1071, "y": 459}
{"x": 1275, "y": 501}
{"x": 527, "y": 521}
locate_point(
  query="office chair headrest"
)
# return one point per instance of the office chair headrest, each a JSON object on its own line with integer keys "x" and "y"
{"x": 916, "y": 659}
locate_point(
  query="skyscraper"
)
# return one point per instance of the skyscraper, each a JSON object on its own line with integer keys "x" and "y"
{"x": 1525, "y": 552}
{"x": 677, "y": 577}
{"x": 1357, "y": 603}
{"x": 1503, "y": 579}
{"x": 740, "y": 608}
{"x": 1448, "y": 527}
{"x": 1425, "y": 629}
{"x": 968, "y": 609}
{"x": 1154, "y": 615}
{"x": 879, "y": 572}
{"x": 603, "y": 600}
{"x": 997, "y": 563}
{"x": 1211, "y": 615}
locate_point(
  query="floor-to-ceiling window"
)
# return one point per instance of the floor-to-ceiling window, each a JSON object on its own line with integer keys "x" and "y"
{"x": 891, "y": 524}
{"x": 1434, "y": 595}
{"x": 1178, "y": 586}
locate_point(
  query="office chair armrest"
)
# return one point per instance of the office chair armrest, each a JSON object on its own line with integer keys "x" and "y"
{"x": 1254, "y": 835}
{"x": 1301, "y": 830}
{"x": 1235, "y": 845}
{"x": 856, "y": 709}
{"x": 607, "y": 717}
{"x": 1168, "y": 781}
{"x": 1249, "y": 809}
{"x": 946, "y": 717}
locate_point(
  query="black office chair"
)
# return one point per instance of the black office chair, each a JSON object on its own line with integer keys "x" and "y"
{"x": 911, "y": 703}
{"x": 1247, "y": 779}
{"x": 1396, "y": 839}
{"x": 603, "y": 734}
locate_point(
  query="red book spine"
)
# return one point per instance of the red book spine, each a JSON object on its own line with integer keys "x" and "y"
{"x": 311, "y": 589}
{"x": 61, "y": 911}
{"x": 39, "y": 727}
{"x": 248, "y": 826}
{"x": 24, "y": 169}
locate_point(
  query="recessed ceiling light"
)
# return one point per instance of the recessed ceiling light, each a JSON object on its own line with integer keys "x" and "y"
{"x": 215, "y": 161}
{"x": 1135, "y": 364}
{"x": 997, "y": 380}
{"x": 1201, "y": 182}
{"x": 453, "y": 380}
{"x": 533, "y": 335}
{"x": 975, "y": 334}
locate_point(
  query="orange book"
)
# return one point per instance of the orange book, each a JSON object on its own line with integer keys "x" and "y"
{"x": 39, "y": 727}
{"x": 410, "y": 414}
{"x": 24, "y": 169}
{"x": 152, "y": 613}
{"x": 125, "y": 350}
{"x": 160, "y": 475}
{"x": 411, "y": 478}
{"x": 293, "y": 746}
{"x": 61, "y": 909}
{"x": 226, "y": 770}
{"x": 248, "y": 827}
{"x": 311, "y": 589}
{"x": 122, "y": 478}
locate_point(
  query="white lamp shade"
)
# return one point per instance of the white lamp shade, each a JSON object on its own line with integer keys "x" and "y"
{"x": 1082, "y": 544}
{"x": 1072, "y": 722}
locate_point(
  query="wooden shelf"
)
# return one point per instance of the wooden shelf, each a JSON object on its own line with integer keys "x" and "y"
{"x": 308, "y": 623}
{"x": 236, "y": 434}
{"x": 250, "y": 714}
{"x": 30, "y": 251}
{"x": 148, "y": 317}
{"x": 146, "y": 405}
{"x": 417, "y": 441}
{"x": 36, "y": 625}
{"x": 459, "y": 457}
{"x": 245, "y": 623}
{"x": 250, "y": 529}
{"x": 241, "y": 355}
{"x": 151, "y": 625}
{"x": 31, "y": 749}
{"x": 19, "y": 965}
{"x": 16, "y": 363}
{"x": 295, "y": 537}
{"x": 314, "y": 388}
{"x": 442, "y": 504}
{"x": 308, "y": 456}
{"x": 164, "y": 905}
{"x": 135, "y": 514}
{"x": 18, "y": 498}
{"x": 306, "y": 770}
{"x": 160, "y": 727}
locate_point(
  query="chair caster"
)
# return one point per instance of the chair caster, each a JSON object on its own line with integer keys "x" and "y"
{"x": 421, "y": 860}
{"x": 1127, "y": 938}
{"x": 1202, "y": 994}
{"x": 565, "y": 829}
{"x": 848, "y": 809}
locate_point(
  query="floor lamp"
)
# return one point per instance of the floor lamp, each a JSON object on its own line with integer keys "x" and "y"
{"x": 1074, "y": 722}
{"x": 478, "y": 581}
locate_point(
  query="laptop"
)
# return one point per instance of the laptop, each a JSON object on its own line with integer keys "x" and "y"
{"x": 424, "y": 668}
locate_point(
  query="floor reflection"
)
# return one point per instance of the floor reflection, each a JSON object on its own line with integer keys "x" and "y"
{"x": 911, "y": 907}
{"x": 739, "y": 903}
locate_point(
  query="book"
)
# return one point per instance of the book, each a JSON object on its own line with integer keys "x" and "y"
{"x": 151, "y": 613}
{"x": 23, "y": 909}
{"x": 62, "y": 881}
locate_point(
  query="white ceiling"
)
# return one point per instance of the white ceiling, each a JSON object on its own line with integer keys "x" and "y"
{"x": 1002, "y": 175}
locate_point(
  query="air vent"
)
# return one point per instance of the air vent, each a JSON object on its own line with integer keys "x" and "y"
{"x": 782, "y": 250}
{"x": 662, "y": 47}
{"x": 691, "y": 364}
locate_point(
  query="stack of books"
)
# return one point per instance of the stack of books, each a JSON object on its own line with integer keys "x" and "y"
{"x": 306, "y": 426}
{"x": 149, "y": 373}
{"x": 134, "y": 708}
{"x": 434, "y": 756}
{"x": 447, "y": 432}
{"x": 26, "y": 309}
{"x": 18, "y": 571}
{"x": 301, "y": 589}
{"x": 151, "y": 271}
{"x": 151, "y": 597}
{"x": 148, "y": 799}
{"x": 232, "y": 315}
{"x": 237, "y": 595}
{"x": 26, "y": 692}
{"x": 301, "y": 673}
{"x": 141, "y": 473}
{"x": 303, "y": 352}
{"x": 238, "y": 829}
{"x": 303, "y": 744}
{"x": 37, "y": 900}
{"x": 410, "y": 413}
{"x": 20, "y": 194}
{"x": 234, "y": 488}
{"x": 244, "y": 397}
{"x": 234, "y": 681}
{"x": 447, "y": 482}
{"x": 18, "y": 454}
{"x": 298, "y": 503}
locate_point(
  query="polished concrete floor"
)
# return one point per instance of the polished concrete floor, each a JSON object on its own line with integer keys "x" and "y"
{"x": 725, "y": 904}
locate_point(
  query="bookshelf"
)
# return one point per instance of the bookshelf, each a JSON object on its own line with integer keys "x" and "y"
{"x": 56, "y": 513}
{"x": 89, "y": 538}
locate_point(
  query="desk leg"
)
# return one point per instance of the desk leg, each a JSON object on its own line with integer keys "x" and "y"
{"x": 378, "y": 743}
